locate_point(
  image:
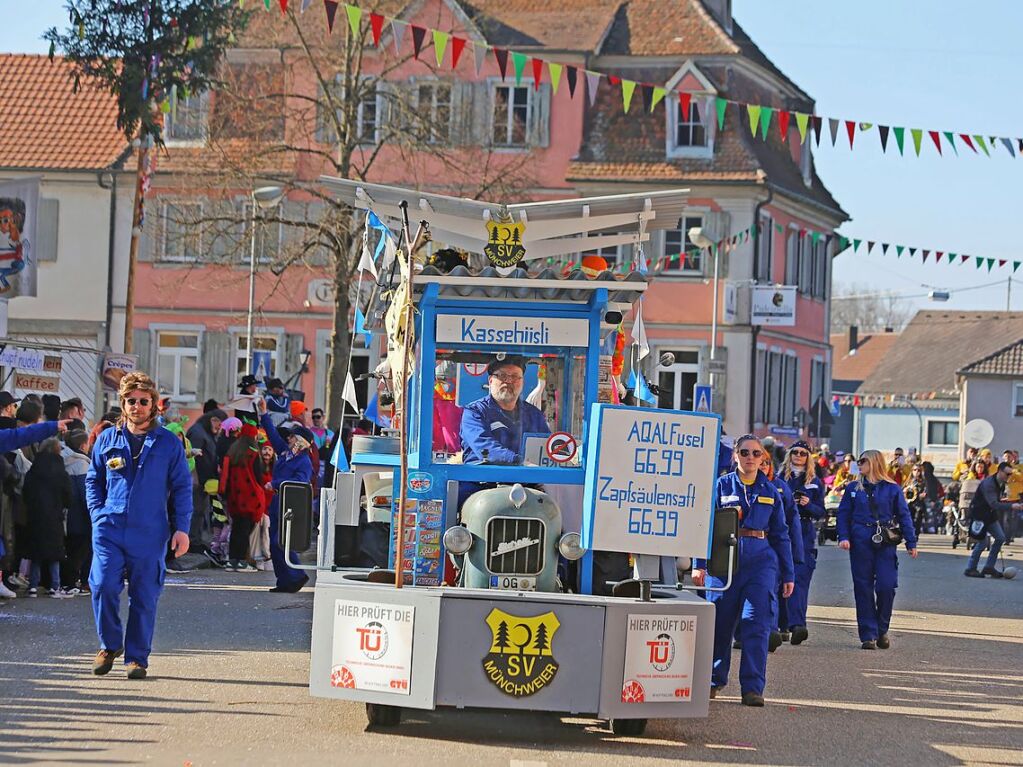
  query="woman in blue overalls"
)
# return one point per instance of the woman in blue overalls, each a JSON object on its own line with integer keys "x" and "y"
{"x": 873, "y": 503}
{"x": 788, "y": 503}
{"x": 798, "y": 471}
{"x": 764, "y": 551}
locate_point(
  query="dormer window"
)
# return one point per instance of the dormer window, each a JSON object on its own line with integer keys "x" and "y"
{"x": 689, "y": 128}
{"x": 690, "y": 131}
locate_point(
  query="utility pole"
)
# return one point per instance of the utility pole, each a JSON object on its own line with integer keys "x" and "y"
{"x": 1008, "y": 294}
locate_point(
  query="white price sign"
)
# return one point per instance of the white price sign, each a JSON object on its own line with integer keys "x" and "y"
{"x": 372, "y": 647}
{"x": 650, "y": 479}
{"x": 659, "y": 655}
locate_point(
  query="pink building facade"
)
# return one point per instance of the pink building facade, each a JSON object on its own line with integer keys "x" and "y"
{"x": 508, "y": 140}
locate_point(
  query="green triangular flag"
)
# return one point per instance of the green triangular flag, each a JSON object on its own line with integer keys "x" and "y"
{"x": 900, "y": 137}
{"x": 979, "y": 260}
{"x": 266, "y": 3}
{"x": 917, "y": 135}
{"x": 983, "y": 144}
{"x": 753, "y": 110}
{"x": 951, "y": 258}
{"x": 720, "y": 105}
{"x": 843, "y": 243}
{"x": 898, "y": 250}
{"x": 659, "y": 94}
{"x": 354, "y": 16}
{"x": 856, "y": 245}
{"x": 779, "y": 228}
{"x": 765, "y": 121}
{"x": 990, "y": 263}
{"x": 1015, "y": 266}
{"x": 555, "y": 70}
{"x": 950, "y": 137}
{"x": 628, "y": 88}
{"x": 815, "y": 237}
{"x": 519, "y": 61}
{"x": 802, "y": 120}
{"x": 440, "y": 44}
{"x": 912, "y": 251}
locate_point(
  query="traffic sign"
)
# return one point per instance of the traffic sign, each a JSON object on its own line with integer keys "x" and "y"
{"x": 702, "y": 398}
{"x": 475, "y": 368}
{"x": 561, "y": 447}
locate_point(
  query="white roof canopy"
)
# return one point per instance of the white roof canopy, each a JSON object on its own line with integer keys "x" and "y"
{"x": 554, "y": 228}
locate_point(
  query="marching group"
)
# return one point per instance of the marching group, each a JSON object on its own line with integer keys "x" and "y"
{"x": 234, "y": 463}
{"x": 884, "y": 504}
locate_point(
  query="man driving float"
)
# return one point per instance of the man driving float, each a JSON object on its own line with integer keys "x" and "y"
{"x": 492, "y": 426}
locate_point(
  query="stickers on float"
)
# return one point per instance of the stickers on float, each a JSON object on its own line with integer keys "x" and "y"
{"x": 561, "y": 447}
{"x": 372, "y": 647}
{"x": 521, "y": 658}
{"x": 475, "y": 369}
{"x": 659, "y": 655}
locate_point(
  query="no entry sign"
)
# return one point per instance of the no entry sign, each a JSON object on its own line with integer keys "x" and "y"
{"x": 561, "y": 447}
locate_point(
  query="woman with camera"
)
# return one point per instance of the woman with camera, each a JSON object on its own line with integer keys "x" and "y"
{"x": 873, "y": 519}
{"x": 808, "y": 491}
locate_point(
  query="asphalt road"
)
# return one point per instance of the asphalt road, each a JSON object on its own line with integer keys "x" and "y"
{"x": 229, "y": 677}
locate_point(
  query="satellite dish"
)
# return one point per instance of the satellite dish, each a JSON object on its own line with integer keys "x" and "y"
{"x": 978, "y": 433}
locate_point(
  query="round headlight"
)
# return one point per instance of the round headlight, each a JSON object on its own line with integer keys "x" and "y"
{"x": 457, "y": 539}
{"x": 571, "y": 546}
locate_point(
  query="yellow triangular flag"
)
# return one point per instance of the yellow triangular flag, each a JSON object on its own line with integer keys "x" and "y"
{"x": 440, "y": 44}
{"x": 555, "y": 70}
{"x": 628, "y": 86}
{"x": 754, "y": 117}
{"x": 658, "y": 97}
{"x": 354, "y": 17}
{"x": 802, "y": 120}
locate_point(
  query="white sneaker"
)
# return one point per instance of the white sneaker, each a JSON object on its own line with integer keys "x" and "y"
{"x": 33, "y": 591}
{"x": 19, "y": 581}
{"x": 60, "y": 594}
{"x": 71, "y": 592}
{"x": 6, "y": 593}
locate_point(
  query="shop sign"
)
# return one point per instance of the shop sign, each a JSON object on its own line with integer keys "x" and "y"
{"x": 372, "y": 647}
{"x": 774, "y": 306}
{"x": 511, "y": 331}
{"x": 659, "y": 655}
{"x": 521, "y": 658}
{"x": 37, "y": 383}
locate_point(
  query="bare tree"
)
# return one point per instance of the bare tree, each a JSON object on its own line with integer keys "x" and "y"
{"x": 334, "y": 104}
{"x": 868, "y": 309}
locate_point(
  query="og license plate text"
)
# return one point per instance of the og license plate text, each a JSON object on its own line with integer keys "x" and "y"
{"x": 513, "y": 582}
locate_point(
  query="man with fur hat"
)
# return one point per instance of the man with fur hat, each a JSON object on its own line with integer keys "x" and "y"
{"x": 135, "y": 468}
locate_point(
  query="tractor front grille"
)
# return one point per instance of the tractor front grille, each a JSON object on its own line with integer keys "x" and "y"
{"x": 516, "y": 545}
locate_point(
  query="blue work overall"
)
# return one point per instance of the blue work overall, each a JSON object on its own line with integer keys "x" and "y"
{"x": 751, "y": 601}
{"x": 804, "y": 527}
{"x": 127, "y": 497}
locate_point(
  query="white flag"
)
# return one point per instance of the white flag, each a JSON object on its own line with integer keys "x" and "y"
{"x": 639, "y": 332}
{"x": 366, "y": 262}
{"x": 348, "y": 395}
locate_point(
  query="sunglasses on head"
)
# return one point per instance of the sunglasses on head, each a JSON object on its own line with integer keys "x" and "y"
{"x": 143, "y": 401}
{"x": 746, "y": 452}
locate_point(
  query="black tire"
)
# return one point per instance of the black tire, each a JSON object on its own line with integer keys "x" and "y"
{"x": 629, "y": 727}
{"x": 380, "y": 715}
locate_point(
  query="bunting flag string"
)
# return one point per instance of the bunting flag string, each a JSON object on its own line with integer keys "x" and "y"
{"x": 449, "y": 47}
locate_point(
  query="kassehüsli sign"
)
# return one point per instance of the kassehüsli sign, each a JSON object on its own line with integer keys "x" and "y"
{"x": 511, "y": 331}
{"x": 650, "y": 479}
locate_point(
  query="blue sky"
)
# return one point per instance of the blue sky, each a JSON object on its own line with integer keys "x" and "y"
{"x": 938, "y": 65}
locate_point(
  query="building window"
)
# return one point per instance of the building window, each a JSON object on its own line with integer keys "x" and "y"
{"x": 1017, "y": 400}
{"x": 511, "y": 115}
{"x": 689, "y": 128}
{"x": 613, "y": 254}
{"x": 265, "y": 346}
{"x": 434, "y": 111}
{"x": 367, "y": 114}
{"x": 943, "y": 433}
{"x": 177, "y": 356}
{"x": 676, "y": 381}
{"x": 188, "y": 116}
{"x": 182, "y": 231}
{"x": 681, "y": 255}
{"x": 778, "y": 393}
{"x": 792, "y": 258}
{"x": 765, "y": 250}
{"x": 269, "y": 234}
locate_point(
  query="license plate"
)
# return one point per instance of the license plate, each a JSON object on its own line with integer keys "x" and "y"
{"x": 513, "y": 582}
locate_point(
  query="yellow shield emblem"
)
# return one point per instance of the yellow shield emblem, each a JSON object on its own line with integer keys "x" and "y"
{"x": 504, "y": 245}
{"x": 521, "y": 658}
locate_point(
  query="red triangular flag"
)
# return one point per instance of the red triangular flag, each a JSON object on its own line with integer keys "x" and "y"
{"x": 783, "y": 124}
{"x": 850, "y": 128}
{"x": 330, "y": 6}
{"x": 936, "y": 138}
{"x": 502, "y": 61}
{"x": 457, "y": 46}
{"x": 963, "y": 259}
{"x": 376, "y": 24}
{"x": 614, "y": 79}
{"x": 870, "y": 245}
{"x": 968, "y": 141}
{"x": 937, "y": 256}
{"x": 284, "y": 6}
{"x": 418, "y": 35}
{"x": 537, "y": 73}
{"x": 684, "y": 99}
{"x": 1002, "y": 262}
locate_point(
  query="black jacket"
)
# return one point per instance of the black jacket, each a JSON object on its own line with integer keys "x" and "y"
{"x": 47, "y": 492}
{"x": 206, "y": 465}
{"x": 987, "y": 502}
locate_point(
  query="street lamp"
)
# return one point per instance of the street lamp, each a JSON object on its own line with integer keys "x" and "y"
{"x": 263, "y": 198}
{"x": 702, "y": 241}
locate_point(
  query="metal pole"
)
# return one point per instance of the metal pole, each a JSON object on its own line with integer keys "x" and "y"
{"x": 1008, "y": 295}
{"x": 252, "y": 294}
{"x": 714, "y": 317}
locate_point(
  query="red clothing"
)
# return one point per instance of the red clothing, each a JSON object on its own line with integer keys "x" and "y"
{"x": 241, "y": 487}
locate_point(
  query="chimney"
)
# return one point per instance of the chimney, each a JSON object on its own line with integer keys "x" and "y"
{"x": 854, "y": 338}
{"x": 889, "y": 329}
{"x": 721, "y": 10}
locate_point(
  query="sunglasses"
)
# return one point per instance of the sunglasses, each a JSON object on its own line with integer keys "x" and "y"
{"x": 799, "y": 452}
{"x": 143, "y": 401}
{"x": 862, "y": 461}
{"x": 507, "y": 378}
{"x": 746, "y": 453}
{"x": 317, "y": 416}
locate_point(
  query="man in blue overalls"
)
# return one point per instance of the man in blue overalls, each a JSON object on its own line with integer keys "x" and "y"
{"x": 135, "y": 467}
{"x": 765, "y": 551}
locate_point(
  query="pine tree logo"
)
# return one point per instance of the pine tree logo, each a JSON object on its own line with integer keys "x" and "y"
{"x": 504, "y": 245}
{"x": 521, "y": 659}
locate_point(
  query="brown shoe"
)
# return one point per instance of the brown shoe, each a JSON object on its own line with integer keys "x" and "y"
{"x": 104, "y": 661}
{"x": 136, "y": 671}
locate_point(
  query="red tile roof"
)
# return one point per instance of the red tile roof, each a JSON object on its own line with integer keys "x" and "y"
{"x": 46, "y": 126}
{"x": 857, "y": 366}
{"x": 577, "y": 25}
{"x": 657, "y": 28}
